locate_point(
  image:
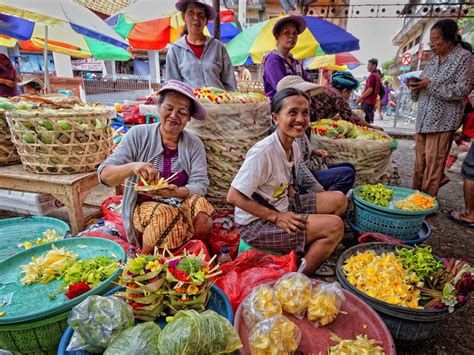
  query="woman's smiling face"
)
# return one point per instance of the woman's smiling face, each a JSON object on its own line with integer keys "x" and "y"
{"x": 293, "y": 118}
{"x": 175, "y": 112}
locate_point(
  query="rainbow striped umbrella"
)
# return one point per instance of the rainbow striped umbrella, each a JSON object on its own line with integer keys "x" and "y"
{"x": 340, "y": 61}
{"x": 157, "y": 32}
{"x": 71, "y": 29}
{"x": 320, "y": 37}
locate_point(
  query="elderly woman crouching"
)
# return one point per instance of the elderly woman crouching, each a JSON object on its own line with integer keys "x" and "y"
{"x": 171, "y": 216}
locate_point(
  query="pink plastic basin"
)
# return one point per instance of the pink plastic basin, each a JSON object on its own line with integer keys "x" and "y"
{"x": 360, "y": 319}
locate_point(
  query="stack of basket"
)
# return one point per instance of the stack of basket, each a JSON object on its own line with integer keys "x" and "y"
{"x": 8, "y": 153}
{"x": 64, "y": 141}
{"x": 228, "y": 133}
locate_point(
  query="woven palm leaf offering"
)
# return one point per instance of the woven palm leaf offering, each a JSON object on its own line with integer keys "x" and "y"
{"x": 143, "y": 278}
{"x": 188, "y": 280}
{"x": 145, "y": 186}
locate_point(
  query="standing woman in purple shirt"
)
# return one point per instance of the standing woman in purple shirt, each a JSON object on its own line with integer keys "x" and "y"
{"x": 279, "y": 62}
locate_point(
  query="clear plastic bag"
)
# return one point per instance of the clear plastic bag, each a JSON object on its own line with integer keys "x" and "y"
{"x": 260, "y": 304}
{"x": 325, "y": 303}
{"x": 293, "y": 291}
{"x": 276, "y": 335}
{"x": 140, "y": 339}
{"x": 97, "y": 321}
{"x": 190, "y": 332}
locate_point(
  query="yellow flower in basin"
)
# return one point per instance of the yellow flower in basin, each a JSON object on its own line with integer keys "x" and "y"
{"x": 192, "y": 290}
{"x": 153, "y": 266}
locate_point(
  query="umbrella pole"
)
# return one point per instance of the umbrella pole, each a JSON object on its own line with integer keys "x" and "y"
{"x": 217, "y": 22}
{"x": 46, "y": 61}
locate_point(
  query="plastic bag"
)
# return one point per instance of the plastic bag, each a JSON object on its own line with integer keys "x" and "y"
{"x": 276, "y": 335}
{"x": 190, "y": 332}
{"x": 97, "y": 321}
{"x": 250, "y": 269}
{"x": 325, "y": 303}
{"x": 140, "y": 339}
{"x": 293, "y": 291}
{"x": 261, "y": 304}
{"x": 224, "y": 234}
{"x": 113, "y": 216}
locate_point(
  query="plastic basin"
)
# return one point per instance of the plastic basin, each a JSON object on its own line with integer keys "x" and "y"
{"x": 407, "y": 325}
{"x": 14, "y": 231}
{"x": 360, "y": 319}
{"x": 218, "y": 302}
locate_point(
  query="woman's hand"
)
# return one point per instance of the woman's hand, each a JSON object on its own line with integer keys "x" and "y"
{"x": 145, "y": 170}
{"x": 290, "y": 222}
{"x": 419, "y": 85}
{"x": 321, "y": 153}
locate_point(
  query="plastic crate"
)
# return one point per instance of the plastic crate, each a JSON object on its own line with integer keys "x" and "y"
{"x": 28, "y": 202}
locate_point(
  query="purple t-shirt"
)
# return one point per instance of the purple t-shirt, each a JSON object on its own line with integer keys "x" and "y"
{"x": 276, "y": 68}
{"x": 388, "y": 90}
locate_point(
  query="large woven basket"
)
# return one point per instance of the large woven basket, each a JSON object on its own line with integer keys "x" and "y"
{"x": 8, "y": 153}
{"x": 228, "y": 133}
{"x": 61, "y": 141}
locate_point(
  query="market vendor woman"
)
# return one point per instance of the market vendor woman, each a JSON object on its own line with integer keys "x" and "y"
{"x": 196, "y": 59}
{"x": 269, "y": 212}
{"x": 167, "y": 217}
{"x": 279, "y": 63}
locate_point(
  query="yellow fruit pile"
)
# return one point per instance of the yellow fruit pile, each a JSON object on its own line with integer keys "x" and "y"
{"x": 360, "y": 345}
{"x": 261, "y": 304}
{"x": 276, "y": 336}
{"x": 383, "y": 277}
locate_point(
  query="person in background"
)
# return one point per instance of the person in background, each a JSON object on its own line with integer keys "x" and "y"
{"x": 270, "y": 213}
{"x": 371, "y": 91}
{"x": 196, "y": 59}
{"x": 8, "y": 77}
{"x": 441, "y": 92}
{"x": 279, "y": 62}
{"x": 385, "y": 99}
{"x": 245, "y": 74}
{"x": 314, "y": 173}
{"x": 170, "y": 216}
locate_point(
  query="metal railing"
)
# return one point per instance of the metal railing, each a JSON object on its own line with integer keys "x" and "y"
{"x": 102, "y": 84}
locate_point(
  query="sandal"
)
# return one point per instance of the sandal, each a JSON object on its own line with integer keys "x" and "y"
{"x": 460, "y": 221}
{"x": 325, "y": 270}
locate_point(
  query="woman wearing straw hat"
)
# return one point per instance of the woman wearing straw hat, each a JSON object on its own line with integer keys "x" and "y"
{"x": 279, "y": 62}
{"x": 196, "y": 59}
{"x": 171, "y": 216}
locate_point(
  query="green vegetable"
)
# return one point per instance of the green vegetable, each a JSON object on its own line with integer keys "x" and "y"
{"x": 189, "y": 265}
{"x": 97, "y": 321}
{"x": 46, "y": 124}
{"x": 92, "y": 271}
{"x": 376, "y": 194}
{"x": 6, "y": 105}
{"x": 140, "y": 339}
{"x": 137, "y": 265}
{"x": 190, "y": 332}
{"x": 419, "y": 260}
{"x": 45, "y": 138}
{"x": 65, "y": 125}
{"x": 28, "y": 138}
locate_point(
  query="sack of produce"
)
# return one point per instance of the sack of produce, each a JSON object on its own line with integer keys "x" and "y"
{"x": 228, "y": 133}
{"x": 367, "y": 149}
{"x": 64, "y": 141}
{"x": 190, "y": 332}
{"x": 262, "y": 303}
{"x": 325, "y": 303}
{"x": 276, "y": 335}
{"x": 293, "y": 292}
{"x": 97, "y": 321}
{"x": 140, "y": 339}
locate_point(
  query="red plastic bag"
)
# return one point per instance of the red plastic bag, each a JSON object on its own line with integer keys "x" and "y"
{"x": 194, "y": 246}
{"x": 250, "y": 269}
{"x": 112, "y": 216}
{"x": 224, "y": 234}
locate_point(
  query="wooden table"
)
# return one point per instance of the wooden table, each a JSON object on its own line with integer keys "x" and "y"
{"x": 71, "y": 190}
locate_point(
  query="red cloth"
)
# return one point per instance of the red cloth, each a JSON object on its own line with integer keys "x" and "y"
{"x": 197, "y": 49}
{"x": 373, "y": 81}
{"x": 468, "y": 129}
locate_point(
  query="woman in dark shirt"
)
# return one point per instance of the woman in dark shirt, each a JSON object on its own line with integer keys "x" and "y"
{"x": 8, "y": 77}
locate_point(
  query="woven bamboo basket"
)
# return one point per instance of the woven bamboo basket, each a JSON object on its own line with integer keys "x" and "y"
{"x": 228, "y": 133}
{"x": 8, "y": 153}
{"x": 61, "y": 141}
